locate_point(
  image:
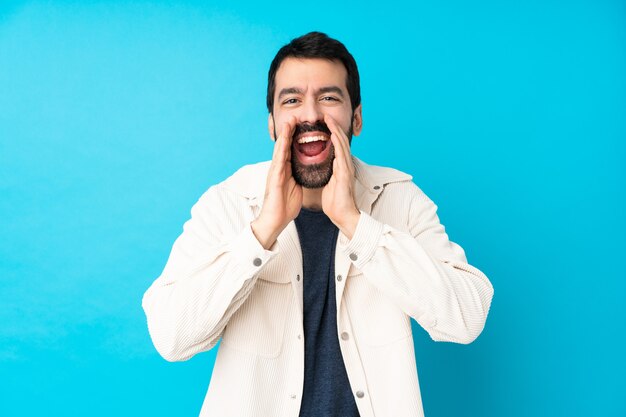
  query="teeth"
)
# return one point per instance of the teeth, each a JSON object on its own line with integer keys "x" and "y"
{"x": 308, "y": 139}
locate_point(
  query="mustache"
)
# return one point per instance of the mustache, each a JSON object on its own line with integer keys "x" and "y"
{"x": 318, "y": 126}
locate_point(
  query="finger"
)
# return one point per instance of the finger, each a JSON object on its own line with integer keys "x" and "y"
{"x": 286, "y": 136}
{"x": 278, "y": 145}
{"x": 282, "y": 148}
{"x": 343, "y": 139}
{"x": 340, "y": 141}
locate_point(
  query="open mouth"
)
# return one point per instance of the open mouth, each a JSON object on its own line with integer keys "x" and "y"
{"x": 312, "y": 147}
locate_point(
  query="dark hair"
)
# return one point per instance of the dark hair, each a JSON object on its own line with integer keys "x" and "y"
{"x": 316, "y": 45}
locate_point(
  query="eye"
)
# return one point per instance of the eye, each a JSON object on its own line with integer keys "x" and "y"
{"x": 290, "y": 101}
{"x": 329, "y": 98}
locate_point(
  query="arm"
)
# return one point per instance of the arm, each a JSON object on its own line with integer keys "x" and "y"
{"x": 210, "y": 272}
{"x": 425, "y": 274}
{"x": 214, "y": 264}
{"x": 420, "y": 270}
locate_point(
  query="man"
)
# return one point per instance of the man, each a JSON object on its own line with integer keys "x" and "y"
{"x": 309, "y": 267}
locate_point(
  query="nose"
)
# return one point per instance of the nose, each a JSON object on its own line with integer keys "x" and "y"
{"x": 311, "y": 112}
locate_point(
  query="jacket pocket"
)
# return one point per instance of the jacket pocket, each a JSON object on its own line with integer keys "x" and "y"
{"x": 375, "y": 319}
{"x": 258, "y": 326}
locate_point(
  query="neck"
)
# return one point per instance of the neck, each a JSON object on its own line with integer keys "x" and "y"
{"x": 312, "y": 198}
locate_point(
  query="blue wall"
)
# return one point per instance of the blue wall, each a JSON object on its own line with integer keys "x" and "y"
{"x": 116, "y": 116}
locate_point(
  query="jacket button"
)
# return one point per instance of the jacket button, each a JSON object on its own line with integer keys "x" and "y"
{"x": 360, "y": 394}
{"x": 339, "y": 278}
{"x": 257, "y": 262}
{"x": 377, "y": 187}
{"x": 297, "y": 277}
{"x": 292, "y": 396}
{"x": 353, "y": 256}
{"x": 345, "y": 336}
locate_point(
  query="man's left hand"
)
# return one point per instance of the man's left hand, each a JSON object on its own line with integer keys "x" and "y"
{"x": 338, "y": 195}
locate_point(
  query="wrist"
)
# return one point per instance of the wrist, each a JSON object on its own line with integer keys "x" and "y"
{"x": 264, "y": 233}
{"x": 348, "y": 224}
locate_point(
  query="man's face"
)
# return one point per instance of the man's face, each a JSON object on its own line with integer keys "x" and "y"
{"x": 309, "y": 89}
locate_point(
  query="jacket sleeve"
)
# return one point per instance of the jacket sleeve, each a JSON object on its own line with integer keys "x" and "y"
{"x": 211, "y": 270}
{"x": 422, "y": 272}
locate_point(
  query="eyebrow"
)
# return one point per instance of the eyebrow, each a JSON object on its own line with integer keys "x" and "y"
{"x": 296, "y": 90}
{"x": 331, "y": 89}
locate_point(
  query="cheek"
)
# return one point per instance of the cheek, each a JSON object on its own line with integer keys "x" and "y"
{"x": 280, "y": 118}
{"x": 346, "y": 124}
{"x": 342, "y": 118}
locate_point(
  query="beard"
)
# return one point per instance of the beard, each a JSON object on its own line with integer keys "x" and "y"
{"x": 313, "y": 175}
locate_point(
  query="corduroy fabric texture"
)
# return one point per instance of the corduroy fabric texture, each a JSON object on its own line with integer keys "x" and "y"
{"x": 220, "y": 283}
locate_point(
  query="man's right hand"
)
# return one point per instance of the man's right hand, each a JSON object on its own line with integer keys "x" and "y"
{"x": 283, "y": 197}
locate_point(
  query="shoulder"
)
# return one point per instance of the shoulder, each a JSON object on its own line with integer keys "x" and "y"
{"x": 248, "y": 181}
{"x": 379, "y": 177}
{"x": 242, "y": 188}
{"x": 375, "y": 175}
{"x": 392, "y": 182}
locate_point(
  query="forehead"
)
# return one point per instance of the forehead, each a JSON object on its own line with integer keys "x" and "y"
{"x": 310, "y": 72}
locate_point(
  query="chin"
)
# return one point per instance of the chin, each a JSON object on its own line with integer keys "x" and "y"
{"x": 312, "y": 175}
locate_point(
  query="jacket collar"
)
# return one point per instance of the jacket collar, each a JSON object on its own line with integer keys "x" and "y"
{"x": 249, "y": 182}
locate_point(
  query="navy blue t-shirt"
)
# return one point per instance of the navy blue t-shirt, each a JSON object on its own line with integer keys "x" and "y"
{"x": 327, "y": 391}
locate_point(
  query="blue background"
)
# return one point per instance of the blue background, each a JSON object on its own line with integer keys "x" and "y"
{"x": 116, "y": 116}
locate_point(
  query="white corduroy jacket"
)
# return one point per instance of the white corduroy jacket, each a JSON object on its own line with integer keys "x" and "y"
{"x": 219, "y": 282}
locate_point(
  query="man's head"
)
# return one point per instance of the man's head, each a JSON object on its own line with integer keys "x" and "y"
{"x": 310, "y": 77}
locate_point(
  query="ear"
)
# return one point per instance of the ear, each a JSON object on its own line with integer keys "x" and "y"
{"x": 357, "y": 121}
{"x": 270, "y": 126}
